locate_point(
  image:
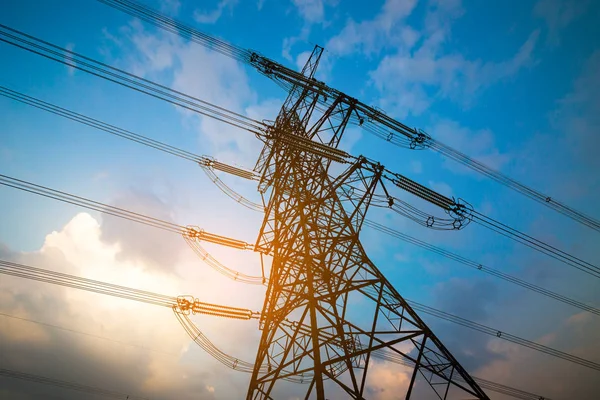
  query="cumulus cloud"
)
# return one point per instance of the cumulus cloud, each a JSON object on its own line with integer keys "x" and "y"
{"x": 312, "y": 11}
{"x": 204, "y": 74}
{"x": 152, "y": 248}
{"x": 37, "y": 349}
{"x": 387, "y": 381}
{"x": 369, "y": 36}
{"x": 170, "y": 7}
{"x": 479, "y": 144}
{"x": 557, "y": 15}
{"x": 417, "y": 66}
{"x": 211, "y": 17}
{"x": 562, "y": 157}
{"x": 144, "y": 351}
{"x": 539, "y": 373}
{"x": 429, "y": 72}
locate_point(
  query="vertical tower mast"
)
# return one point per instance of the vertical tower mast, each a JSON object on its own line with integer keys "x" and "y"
{"x": 328, "y": 309}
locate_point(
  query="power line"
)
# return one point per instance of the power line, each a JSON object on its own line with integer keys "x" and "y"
{"x": 536, "y": 244}
{"x": 235, "y": 275}
{"x": 179, "y": 229}
{"x": 182, "y": 303}
{"x": 122, "y": 213}
{"x": 95, "y": 123}
{"x": 117, "y": 212}
{"x": 28, "y": 272}
{"x": 391, "y": 292}
{"x": 126, "y": 79}
{"x": 503, "y": 335}
{"x": 67, "y": 385}
{"x": 462, "y": 213}
{"x": 480, "y": 267}
{"x": 369, "y": 118}
{"x": 400, "y": 206}
{"x": 110, "y": 289}
{"x": 149, "y": 15}
{"x": 495, "y": 226}
{"x": 440, "y": 314}
{"x": 78, "y": 332}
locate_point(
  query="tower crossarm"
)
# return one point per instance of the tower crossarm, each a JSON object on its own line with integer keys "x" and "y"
{"x": 194, "y": 232}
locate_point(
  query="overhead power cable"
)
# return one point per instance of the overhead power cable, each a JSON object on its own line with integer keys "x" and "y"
{"x": 207, "y": 165}
{"x": 257, "y": 280}
{"x": 370, "y": 118}
{"x": 513, "y": 184}
{"x": 57, "y": 278}
{"x": 441, "y": 314}
{"x": 186, "y": 304}
{"x": 88, "y": 334}
{"x": 503, "y": 335}
{"x": 191, "y": 234}
{"x": 147, "y": 14}
{"x": 380, "y": 354}
{"x": 405, "y": 209}
{"x": 129, "y": 80}
{"x": 94, "y": 123}
{"x": 67, "y": 385}
{"x": 181, "y": 305}
{"x": 389, "y": 356}
{"x": 478, "y": 266}
{"x": 122, "y": 213}
{"x": 536, "y": 244}
{"x": 463, "y": 213}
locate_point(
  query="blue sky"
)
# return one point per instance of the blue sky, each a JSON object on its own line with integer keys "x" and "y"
{"x": 513, "y": 84}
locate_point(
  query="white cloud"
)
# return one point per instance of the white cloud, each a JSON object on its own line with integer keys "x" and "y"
{"x": 562, "y": 158}
{"x": 157, "y": 53}
{"x": 521, "y": 368}
{"x": 387, "y": 381}
{"x": 313, "y": 11}
{"x": 77, "y": 250}
{"x": 169, "y": 366}
{"x": 416, "y": 166}
{"x": 478, "y": 144}
{"x": 558, "y": 14}
{"x": 441, "y": 187}
{"x": 418, "y": 68}
{"x": 429, "y": 72}
{"x": 70, "y": 69}
{"x": 204, "y": 74}
{"x": 213, "y": 16}
{"x": 370, "y": 36}
{"x": 170, "y": 7}
{"x": 153, "y": 249}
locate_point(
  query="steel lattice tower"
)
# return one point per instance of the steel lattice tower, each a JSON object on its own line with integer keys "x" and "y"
{"x": 320, "y": 269}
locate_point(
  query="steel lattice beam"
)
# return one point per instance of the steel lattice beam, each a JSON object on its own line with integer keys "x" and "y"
{"x": 311, "y": 228}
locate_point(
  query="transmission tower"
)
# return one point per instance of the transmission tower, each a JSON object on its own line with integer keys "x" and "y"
{"x": 328, "y": 310}
{"x": 311, "y": 229}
